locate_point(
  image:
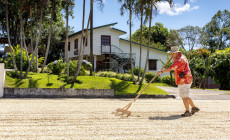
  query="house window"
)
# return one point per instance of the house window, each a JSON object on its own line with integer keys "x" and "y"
{"x": 84, "y": 39}
{"x": 76, "y": 44}
{"x": 76, "y": 47}
{"x": 105, "y": 40}
{"x": 152, "y": 64}
{"x": 68, "y": 46}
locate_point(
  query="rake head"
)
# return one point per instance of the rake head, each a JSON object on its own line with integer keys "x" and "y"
{"x": 123, "y": 112}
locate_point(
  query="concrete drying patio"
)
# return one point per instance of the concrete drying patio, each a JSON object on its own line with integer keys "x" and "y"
{"x": 92, "y": 119}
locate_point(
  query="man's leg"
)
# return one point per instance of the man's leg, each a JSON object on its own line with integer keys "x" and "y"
{"x": 191, "y": 102}
{"x": 194, "y": 108}
{"x": 186, "y": 104}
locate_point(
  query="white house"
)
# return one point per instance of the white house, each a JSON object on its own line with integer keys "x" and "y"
{"x": 113, "y": 53}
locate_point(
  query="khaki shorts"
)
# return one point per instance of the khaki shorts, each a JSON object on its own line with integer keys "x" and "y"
{"x": 184, "y": 90}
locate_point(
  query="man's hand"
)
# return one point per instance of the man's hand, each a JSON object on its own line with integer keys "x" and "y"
{"x": 159, "y": 72}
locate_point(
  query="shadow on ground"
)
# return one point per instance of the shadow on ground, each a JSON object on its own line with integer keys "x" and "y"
{"x": 172, "y": 117}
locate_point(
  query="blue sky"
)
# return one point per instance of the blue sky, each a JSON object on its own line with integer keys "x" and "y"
{"x": 194, "y": 13}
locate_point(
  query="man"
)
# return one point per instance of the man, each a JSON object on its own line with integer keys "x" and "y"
{"x": 183, "y": 79}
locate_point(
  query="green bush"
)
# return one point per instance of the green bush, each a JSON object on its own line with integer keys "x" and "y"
{"x": 17, "y": 56}
{"x": 220, "y": 62}
{"x": 57, "y": 66}
{"x": 149, "y": 76}
{"x": 167, "y": 79}
{"x": 73, "y": 66}
{"x": 136, "y": 71}
{"x": 121, "y": 76}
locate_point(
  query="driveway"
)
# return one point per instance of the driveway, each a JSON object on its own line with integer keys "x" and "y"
{"x": 54, "y": 119}
{"x": 199, "y": 94}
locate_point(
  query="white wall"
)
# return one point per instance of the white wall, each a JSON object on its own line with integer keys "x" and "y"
{"x": 96, "y": 40}
{"x": 153, "y": 54}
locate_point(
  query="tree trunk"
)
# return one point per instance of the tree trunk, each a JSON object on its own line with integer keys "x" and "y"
{"x": 82, "y": 47}
{"x": 66, "y": 40}
{"x": 50, "y": 32}
{"x": 130, "y": 34}
{"x": 149, "y": 35}
{"x": 21, "y": 40}
{"x": 8, "y": 36}
{"x": 27, "y": 55}
{"x": 37, "y": 39}
{"x": 139, "y": 73}
{"x": 31, "y": 38}
{"x": 36, "y": 60}
{"x": 91, "y": 39}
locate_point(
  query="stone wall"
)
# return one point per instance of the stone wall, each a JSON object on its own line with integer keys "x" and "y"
{"x": 57, "y": 93}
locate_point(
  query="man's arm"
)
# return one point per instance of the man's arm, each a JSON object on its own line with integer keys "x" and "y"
{"x": 164, "y": 70}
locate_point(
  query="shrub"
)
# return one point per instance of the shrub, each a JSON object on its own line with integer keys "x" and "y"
{"x": 136, "y": 71}
{"x": 17, "y": 55}
{"x": 106, "y": 74}
{"x": 121, "y": 76}
{"x": 57, "y": 66}
{"x": 167, "y": 79}
{"x": 73, "y": 66}
{"x": 149, "y": 76}
{"x": 220, "y": 62}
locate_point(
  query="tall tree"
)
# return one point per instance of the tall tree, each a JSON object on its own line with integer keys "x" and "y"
{"x": 173, "y": 39}
{"x": 218, "y": 31}
{"x": 50, "y": 33}
{"x": 139, "y": 9}
{"x": 82, "y": 44}
{"x": 42, "y": 4}
{"x": 129, "y": 5}
{"x": 150, "y": 22}
{"x": 8, "y": 36}
{"x": 190, "y": 36}
{"x": 66, "y": 39}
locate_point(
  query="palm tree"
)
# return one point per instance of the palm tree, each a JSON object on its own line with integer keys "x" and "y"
{"x": 50, "y": 33}
{"x": 37, "y": 36}
{"x": 66, "y": 39}
{"x": 8, "y": 36}
{"x": 139, "y": 11}
{"x": 82, "y": 44}
{"x": 128, "y": 5}
{"x": 149, "y": 35}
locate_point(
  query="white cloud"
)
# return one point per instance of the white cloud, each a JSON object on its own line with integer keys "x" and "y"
{"x": 177, "y": 9}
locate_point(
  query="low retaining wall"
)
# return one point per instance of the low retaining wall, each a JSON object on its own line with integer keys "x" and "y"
{"x": 57, "y": 93}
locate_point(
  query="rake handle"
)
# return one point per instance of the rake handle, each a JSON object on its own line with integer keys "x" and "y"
{"x": 151, "y": 81}
{"x": 128, "y": 105}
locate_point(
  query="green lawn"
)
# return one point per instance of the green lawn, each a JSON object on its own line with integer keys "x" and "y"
{"x": 44, "y": 80}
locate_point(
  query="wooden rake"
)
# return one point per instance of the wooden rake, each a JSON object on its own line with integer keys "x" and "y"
{"x": 124, "y": 110}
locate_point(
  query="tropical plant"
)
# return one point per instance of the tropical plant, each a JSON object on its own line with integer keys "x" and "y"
{"x": 221, "y": 67}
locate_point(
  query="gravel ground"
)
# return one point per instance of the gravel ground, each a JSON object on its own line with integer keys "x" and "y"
{"x": 92, "y": 119}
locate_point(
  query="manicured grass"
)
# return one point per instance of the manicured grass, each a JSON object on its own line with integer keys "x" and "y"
{"x": 161, "y": 84}
{"x": 44, "y": 80}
